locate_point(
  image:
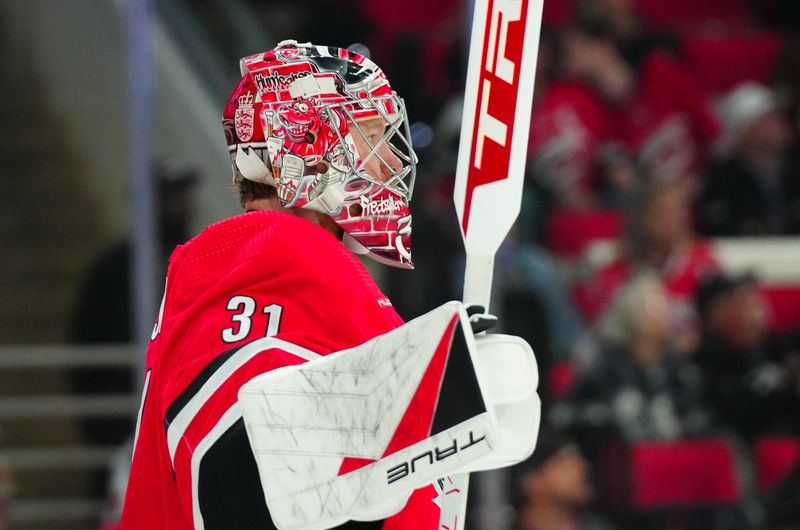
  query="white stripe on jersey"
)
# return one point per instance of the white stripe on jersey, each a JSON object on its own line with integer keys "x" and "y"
{"x": 141, "y": 411}
{"x": 178, "y": 426}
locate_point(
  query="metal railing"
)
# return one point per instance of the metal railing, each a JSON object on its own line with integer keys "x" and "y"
{"x": 76, "y": 507}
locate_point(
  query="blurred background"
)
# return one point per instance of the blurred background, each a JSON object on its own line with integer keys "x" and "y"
{"x": 655, "y": 266}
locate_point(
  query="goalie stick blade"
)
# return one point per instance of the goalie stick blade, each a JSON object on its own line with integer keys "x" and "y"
{"x": 496, "y": 120}
{"x": 374, "y": 404}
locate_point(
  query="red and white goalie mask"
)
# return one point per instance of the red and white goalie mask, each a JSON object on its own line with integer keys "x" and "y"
{"x": 325, "y": 128}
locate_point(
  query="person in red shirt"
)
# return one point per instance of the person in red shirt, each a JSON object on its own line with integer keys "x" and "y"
{"x": 321, "y": 153}
{"x": 658, "y": 238}
{"x": 608, "y": 117}
{"x": 570, "y": 128}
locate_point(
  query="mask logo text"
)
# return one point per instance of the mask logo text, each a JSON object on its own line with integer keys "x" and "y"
{"x": 380, "y": 207}
{"x": 275, "y": 81}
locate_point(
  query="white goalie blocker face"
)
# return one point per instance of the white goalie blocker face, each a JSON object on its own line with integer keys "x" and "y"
{"x": 308, "y": 424}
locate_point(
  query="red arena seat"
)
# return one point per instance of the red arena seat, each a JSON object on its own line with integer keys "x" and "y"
{"x": 722, "y": 62}
{"x": 677, "y": 485}
{"x": 785, "y": 303}
{"x": 571, "y": 230}
{"x": 686, "y": 473}
{"x": 561, "y": 379}
{"x": 774, "y": 458}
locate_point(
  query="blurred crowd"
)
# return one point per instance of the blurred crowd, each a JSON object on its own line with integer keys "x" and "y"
{"x": 670, "y": 397}
{"x": 659, "y": 126}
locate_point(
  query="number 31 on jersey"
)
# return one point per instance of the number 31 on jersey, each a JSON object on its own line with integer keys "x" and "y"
{"x": 243, "y": 309}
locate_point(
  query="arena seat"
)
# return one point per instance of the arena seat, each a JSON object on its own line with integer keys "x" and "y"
{"x": 561, "y": 379}
{"x": 661, "y": 476}
{"x": 785, "y": 303}
{"x": 692, "y": 472}
{"x": 570, "y": 231}
{"x": 722, "y": 62}
{"x": 774, "y": 458}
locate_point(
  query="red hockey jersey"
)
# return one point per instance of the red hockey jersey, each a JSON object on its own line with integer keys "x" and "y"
{"x": 261, "y": 274}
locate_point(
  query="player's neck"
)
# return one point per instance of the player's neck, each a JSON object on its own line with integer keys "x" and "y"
{"x": 318, "y": 218}
{"x": 263, "y": 203}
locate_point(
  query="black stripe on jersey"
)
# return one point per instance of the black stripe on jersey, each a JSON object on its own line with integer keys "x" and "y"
{"x": 460, "y": 397}
{"x": 194, "y": 387}
{"x": 229, "y": 490}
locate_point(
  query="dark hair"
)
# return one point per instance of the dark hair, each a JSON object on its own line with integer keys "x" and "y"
{"x": 648, "y": 191}
{"x": 716, "y": 285}
{"x": 549, "y": 444}
{"x": 249, "y": 190}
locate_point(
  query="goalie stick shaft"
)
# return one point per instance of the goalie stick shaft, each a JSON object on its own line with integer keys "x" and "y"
{"x": 504, "y": 44}
{"x": 478, "y": 274}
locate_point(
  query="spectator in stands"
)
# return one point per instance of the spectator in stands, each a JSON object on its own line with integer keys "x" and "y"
{"x": 609, "y": 116}
{"x": 755, "y": 188}
{"x": 658, "y": 237}
{"x": 554, "y": 488}
{"x": 566, "y": 138}
{"x": 656, "y": 110}
{"x": 634, "y": 386}
{"x": 633, "y": 36}
{"x": 751, "y": 382}
{"x": 103, "y": 309}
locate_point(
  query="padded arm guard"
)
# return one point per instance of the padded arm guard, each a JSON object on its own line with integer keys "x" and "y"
{"x": 476, "y": 395}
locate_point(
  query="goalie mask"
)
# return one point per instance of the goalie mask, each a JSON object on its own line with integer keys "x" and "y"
{"x": 323, "y": 126}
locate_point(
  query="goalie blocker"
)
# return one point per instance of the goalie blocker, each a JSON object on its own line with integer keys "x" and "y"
{"x": 328, "y": 438}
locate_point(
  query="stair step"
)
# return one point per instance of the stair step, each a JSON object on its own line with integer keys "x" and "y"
{"x": 31, "y": 381}
{"x": 56, "y": 514}
{"x": 41, "y": 276}
{"x": 35, "y": 433}
{"x": 50, "y": 483}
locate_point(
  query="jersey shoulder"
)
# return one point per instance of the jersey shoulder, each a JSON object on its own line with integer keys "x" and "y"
{"x": 262, "y": 241}
{"x": 276, "y": 259}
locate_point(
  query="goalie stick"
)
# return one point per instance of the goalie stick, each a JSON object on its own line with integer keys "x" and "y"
{"x": 504, "y": 45}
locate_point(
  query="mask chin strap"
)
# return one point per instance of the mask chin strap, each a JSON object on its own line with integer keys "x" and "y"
{"x": 353, "y": 245}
